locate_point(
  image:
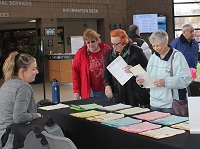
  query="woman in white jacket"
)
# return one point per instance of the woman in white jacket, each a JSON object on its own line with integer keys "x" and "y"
{"x": 159, "y": 68}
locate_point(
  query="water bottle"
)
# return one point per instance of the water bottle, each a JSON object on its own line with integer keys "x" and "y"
{"x": 55, "y": 92}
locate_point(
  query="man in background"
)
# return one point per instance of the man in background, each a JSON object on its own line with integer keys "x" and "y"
{"x": 134, "y": 35}
{"x": 187, "y": 45}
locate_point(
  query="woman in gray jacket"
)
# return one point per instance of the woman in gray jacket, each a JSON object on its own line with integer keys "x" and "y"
{"x": 16, "y": 95}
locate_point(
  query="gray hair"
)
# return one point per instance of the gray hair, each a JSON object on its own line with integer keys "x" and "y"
{"x": 187, "y": 27}
{"x": 159, "y": 35}
{"x": 133, "y": 27}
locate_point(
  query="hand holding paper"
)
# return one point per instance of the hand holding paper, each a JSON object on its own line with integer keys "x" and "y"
{"x": 139, "y": 71}
{"x": 116, "y": 68}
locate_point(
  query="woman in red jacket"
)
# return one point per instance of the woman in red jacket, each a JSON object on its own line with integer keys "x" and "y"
{"x": 88, "y": 67}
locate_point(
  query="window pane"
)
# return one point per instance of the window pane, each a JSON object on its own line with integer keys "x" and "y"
{"x": 183, "y": 1}
{"x": 178, "y": 33}
{"x": 180, "y": 21}
{"x": 186, "y": 9}
{"x": 196, "y": 34}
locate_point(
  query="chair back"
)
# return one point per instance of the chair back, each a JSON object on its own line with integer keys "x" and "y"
{"x": 30, "y": 142}
{"x": 57, "y": 142}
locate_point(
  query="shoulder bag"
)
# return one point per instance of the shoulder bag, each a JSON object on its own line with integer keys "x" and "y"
{"x": 179, "y": 107}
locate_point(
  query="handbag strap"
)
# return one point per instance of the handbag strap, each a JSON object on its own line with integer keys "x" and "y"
{"x": 171, "y": 70}
{"x": 171, "y": 74}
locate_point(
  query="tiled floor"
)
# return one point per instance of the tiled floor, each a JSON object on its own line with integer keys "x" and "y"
{"x": 66, "y": 92}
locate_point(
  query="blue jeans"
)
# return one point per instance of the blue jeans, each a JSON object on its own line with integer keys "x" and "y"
{"x": 167, "y": 110}
{"x": 101, "y": 96}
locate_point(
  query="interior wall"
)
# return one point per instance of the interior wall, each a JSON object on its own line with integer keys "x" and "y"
{"x": 75, "y": 28}
{"x": 155, "y": 6}
{"x": 111, "y": 12}
{"x": 17, "y": 26}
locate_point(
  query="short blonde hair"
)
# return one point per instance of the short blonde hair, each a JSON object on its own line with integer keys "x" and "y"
{"x": 90, "y": 34}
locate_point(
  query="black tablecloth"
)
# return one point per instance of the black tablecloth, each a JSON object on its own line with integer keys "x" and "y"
{"x": 93, "y": 135}
{"x": 194, "y": 88}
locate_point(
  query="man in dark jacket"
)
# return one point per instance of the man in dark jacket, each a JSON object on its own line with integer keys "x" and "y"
{"x": 134, "y": 35}
{"x": 187, "y": 45}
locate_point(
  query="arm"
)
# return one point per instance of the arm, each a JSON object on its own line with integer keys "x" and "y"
{"x": 181, "y": 74}
{"x": 107, "y": 74}
{"x": 108, "y": 77}
{"x": 76, "y": 80}
{"x": 173, "y": 44}
{"x": 142, "y": 59}
{"x": 147, "y": 51}
{"x": 24, "y": 110}
{"x": 196, "y": 51}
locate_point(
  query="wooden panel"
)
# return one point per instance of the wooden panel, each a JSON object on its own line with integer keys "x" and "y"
{"x": 61, "y": 70}
{"x": 65, "y": 65}
{"x": 66, "y": 77}
{"x": 53, "y": 75}
{"x": 54, "y": 65}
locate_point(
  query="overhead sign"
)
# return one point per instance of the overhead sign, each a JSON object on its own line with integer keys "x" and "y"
{"x": 77, "y": 10}
{"x": 15, "y": 3}
{"x": 4, "y": 15}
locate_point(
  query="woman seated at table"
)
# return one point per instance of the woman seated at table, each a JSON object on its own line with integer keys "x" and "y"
{"x": 16, "y": 95}
{"x": 159, "y": 69}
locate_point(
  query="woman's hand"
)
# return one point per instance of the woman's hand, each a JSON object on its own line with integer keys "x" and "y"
{"x": 127, "y": 68}
{"x": 39, "y": 115}
{"x": 159, "y": 83}
{"x": 108, "y": 91}
{"x": 139, "y": 81}
{"x": 77, "y": 96}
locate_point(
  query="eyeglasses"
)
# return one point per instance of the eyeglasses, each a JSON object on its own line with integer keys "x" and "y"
{"x": 115, "y": 44}
{"x": 191, "y": 31}
{"x": 93, "y": 41}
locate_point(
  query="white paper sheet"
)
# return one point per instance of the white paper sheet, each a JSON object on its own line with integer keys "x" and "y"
{"x": 76, "y": 43}
{"x": 194, "y": 114}
{"x": 116, "y": 68}
{"x": 139, "y": 71}
{"x": 53, "y": 107}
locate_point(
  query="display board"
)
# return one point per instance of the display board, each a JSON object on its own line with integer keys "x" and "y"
{"x": 76, "y": 43}
{"x": 148, "y": 23}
